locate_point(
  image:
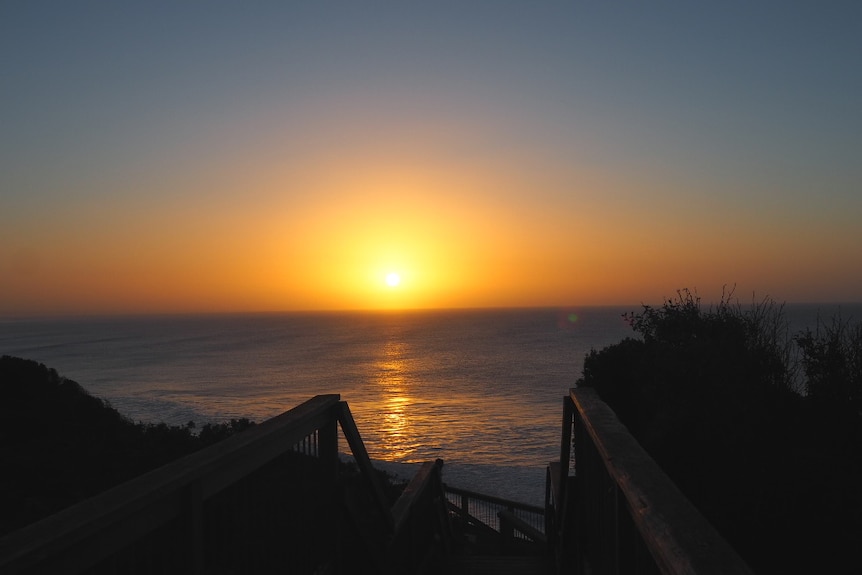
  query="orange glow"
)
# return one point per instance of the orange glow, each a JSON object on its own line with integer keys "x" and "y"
{"x": 366, "y": 224}
{"x": 300, "y": 154}
{"x": 456, "y": 236}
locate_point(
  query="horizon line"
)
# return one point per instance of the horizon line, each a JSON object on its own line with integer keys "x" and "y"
{"x": 321, "y": 311}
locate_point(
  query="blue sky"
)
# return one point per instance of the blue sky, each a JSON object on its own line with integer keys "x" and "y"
{"x": 625, "y": 149}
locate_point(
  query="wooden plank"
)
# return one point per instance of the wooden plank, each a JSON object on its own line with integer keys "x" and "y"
{"x": 328, "y": 445}
{"x": 193, "y": 511}
{"x": 493, "y": 499}
{"x": 498, "y": 565}
{"x": 357, "y": 447}
{"x": 565, "y": 455}
{"x": 554, "y": 476}
{"x": 414, "y": 490}
{"x": 680, "y": 539}
{"x": 566, "y": 435}
{"x": 421, "y": 529}
{"x": 520, "y": 525}
{"x": 97, "y": 527}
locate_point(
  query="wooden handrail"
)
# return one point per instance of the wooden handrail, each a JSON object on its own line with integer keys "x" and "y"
{"x": 422, "y": 530}
{"x": 674, "y": 533}
{"x": 363, "y": 461}
{"x": 679, "y": 538}
{"x": 83, "y": 534}
{"x": 172, "y": 502}
{"x": 510, "y": 521}
{"x": 508, "y": 503}
{"x": 490, "y": 514}
{"x": 414, "y": 490}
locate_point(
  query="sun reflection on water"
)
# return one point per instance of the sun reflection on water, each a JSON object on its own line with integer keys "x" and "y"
{"x": 394, "y": 424}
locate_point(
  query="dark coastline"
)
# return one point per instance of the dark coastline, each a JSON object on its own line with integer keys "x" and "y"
{"x": 62, "y": 445}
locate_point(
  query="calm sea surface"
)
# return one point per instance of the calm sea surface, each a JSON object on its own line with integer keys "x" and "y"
{"x": 480, "y": 389}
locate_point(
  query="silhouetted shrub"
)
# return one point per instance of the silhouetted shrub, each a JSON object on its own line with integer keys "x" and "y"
{"x": 832, "y": 361}
{"x": 714, "y": 396}
{"x": 214, "y": 432}
{"x": 61, "y": 445}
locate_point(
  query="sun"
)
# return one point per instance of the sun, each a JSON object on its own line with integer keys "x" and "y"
{"x": 393, "y": 279}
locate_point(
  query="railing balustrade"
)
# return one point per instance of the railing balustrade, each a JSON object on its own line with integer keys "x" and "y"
{"x": 485, "y": 509}
{"x": 268, "y": 498}
{"x": 618, "y": 512}
{"x": 272, "y": 497}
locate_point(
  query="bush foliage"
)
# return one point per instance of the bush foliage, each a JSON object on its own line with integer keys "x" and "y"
{"x": 61, "y": 445}
{"x": 832, "y": 360}
{"x": 761, "y": 429}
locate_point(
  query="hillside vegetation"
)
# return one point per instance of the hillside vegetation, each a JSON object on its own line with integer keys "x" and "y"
{"x": 60, "y": 444}
{"x": 759, "y": 427}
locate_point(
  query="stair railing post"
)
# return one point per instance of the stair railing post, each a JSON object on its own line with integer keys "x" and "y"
{"x": 193, "y": 512}
{"x": 328, "y": 444}
{"x": 565, "y": 453}
{"x": 507, "y": 533}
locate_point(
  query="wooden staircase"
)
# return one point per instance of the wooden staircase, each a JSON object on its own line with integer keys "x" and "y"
{"x": 513, "y": 546}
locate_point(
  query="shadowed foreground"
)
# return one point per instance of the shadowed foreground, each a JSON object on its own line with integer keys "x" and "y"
{"x": 276, "y": 496}
{"x": 273, "y": 496}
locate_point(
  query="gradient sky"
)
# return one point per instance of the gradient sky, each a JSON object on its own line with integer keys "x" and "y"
{"x": 288, "y": 155}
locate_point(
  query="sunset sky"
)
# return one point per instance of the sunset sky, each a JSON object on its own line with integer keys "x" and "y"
{"x": 291, "y": 155}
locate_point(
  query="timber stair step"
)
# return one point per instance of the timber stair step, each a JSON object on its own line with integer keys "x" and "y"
{"x": 498, "y": 564}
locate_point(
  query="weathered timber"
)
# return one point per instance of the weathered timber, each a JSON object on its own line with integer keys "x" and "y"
{"x": 509, "y": 523}
{"x": 363, "y": 461}
{"x": 498, "y": 565}
{"x": 84, "y": 534}
{"x": 422, "y": 531}
{"x": 677, "y": 536}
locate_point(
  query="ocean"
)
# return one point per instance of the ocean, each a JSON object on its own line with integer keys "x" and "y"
{"x": 480, "y": 389}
